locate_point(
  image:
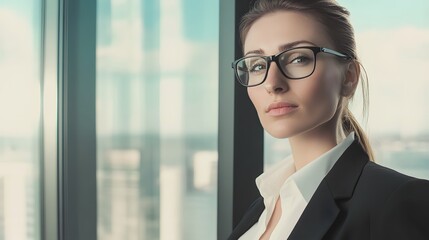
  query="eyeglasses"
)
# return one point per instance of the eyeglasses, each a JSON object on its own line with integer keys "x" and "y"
{"x": 294, "y": 63}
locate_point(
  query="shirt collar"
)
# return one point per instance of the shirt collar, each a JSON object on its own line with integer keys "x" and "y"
{"x": 307, "y": 179}
{"x": 270, "y": 182}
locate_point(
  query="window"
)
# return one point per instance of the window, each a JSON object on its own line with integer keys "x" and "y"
{"x": 157, "y": 103}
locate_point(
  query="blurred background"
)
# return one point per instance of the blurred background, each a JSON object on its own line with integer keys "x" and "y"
{"x": 157, "y": 110}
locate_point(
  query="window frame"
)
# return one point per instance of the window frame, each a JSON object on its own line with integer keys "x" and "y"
{"x": 77, "y": 184}
{"x": 239, "y": 164}
{"x": 50, "y": 66}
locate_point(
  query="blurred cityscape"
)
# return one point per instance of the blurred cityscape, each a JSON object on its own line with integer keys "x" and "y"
{"x": 157, "y": 94}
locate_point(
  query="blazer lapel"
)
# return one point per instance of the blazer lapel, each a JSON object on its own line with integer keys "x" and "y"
{"x": 249, "y": 219}
{"x": 339, "y": 184}
{"x": 317, "y": 217}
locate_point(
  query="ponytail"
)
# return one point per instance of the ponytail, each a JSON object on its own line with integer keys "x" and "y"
{"x": 350, "y": 124}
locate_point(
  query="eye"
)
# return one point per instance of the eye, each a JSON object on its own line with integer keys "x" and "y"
{"x": 297, "y": 57}
{"x": 300, "y": 60}
{"x": 257, "y": 66}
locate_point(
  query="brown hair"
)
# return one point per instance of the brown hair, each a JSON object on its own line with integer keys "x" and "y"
{"x": 335, "y": 18}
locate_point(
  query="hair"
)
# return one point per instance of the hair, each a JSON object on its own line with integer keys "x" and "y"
{"x": 335, "y": 19}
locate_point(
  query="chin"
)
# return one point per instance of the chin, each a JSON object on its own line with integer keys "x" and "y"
{"x": 279, "y": 128}
{"x": 279, "y": 135}
{"x": 280, "y": 132}
{"x": 288, "y": 130}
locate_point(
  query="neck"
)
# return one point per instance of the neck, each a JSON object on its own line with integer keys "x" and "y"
{"x": 308, "y": 146}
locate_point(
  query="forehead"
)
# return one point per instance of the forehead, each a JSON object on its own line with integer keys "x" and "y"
{"x": 276, "y": 29}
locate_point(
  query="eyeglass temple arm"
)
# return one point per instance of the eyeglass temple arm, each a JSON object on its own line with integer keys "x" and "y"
{"x": 333, "y": 52}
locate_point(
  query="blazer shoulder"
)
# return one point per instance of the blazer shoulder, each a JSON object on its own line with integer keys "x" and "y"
{"x": 396, "y": 203}
{"x": 405, "y": 212}
{"x": 380, "y": 174}
{"x": 378, "y": 183}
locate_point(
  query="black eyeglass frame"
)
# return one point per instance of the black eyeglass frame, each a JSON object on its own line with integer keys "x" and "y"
{"x": 275, "y": 58}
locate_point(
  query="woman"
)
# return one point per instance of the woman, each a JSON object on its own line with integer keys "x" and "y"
{"x": 301, "y": 70}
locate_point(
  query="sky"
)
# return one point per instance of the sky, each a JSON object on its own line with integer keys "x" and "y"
{"x": 375, "y": 14}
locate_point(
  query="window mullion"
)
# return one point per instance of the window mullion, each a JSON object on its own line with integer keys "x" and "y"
{"x": 78, "y": 219}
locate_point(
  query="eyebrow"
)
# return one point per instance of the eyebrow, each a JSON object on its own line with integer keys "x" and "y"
{"x": 281, "y": 47}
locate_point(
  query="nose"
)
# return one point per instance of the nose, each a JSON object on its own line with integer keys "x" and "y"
{"x": 275, "y": 82}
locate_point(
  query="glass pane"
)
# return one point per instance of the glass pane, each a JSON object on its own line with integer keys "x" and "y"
{"x": 157, "y": 119}
{"x": 20, "y": 138}
{"x": 398, "y": 115}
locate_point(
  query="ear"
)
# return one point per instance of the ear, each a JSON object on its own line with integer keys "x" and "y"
{"x": 351, "y": 79}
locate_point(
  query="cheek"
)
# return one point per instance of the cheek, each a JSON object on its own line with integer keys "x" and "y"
{"x": 259, "y": 101}
{"x": 255, "y": 97}
{"x": 322, "y": 92}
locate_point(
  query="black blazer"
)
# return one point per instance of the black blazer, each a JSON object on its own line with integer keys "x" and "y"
{"x": 358, "y": 200}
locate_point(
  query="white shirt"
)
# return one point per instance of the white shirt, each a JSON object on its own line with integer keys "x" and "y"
{"x": 295, "y": 189}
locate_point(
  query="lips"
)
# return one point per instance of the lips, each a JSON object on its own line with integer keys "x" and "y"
{"x": 280, "y": 108}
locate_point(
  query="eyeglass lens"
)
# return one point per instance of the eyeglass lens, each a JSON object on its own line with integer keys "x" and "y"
{"x": 294, "y": 64}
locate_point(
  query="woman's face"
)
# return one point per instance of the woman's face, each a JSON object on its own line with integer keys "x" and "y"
{"x": 285, "y": 107}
